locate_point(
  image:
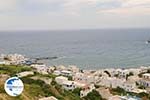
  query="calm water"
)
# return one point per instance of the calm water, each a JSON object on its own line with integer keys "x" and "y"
{"x": 85, "y": 48}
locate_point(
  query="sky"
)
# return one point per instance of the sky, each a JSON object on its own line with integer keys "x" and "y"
{"x": 73, "y": 14}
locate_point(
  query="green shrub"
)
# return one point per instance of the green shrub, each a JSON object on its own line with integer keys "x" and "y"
{"x": 13, "y": 69}
{"x": 76, "y": 91}
{"x": 94, "y": 95}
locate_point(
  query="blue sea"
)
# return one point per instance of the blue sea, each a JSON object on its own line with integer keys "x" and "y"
{"x": 88, "y": 49}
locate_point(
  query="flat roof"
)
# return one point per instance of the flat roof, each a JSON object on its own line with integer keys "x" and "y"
{"x": 147, "y": 74}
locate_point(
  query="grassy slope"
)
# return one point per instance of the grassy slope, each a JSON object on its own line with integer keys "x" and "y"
{"x": 34, "y": 89}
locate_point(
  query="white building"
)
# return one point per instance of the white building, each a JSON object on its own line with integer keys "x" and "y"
{"x": 73, "y": 68}
{"x": 26, "y": 73}
{"x": 60, "y": 67}
{"x": 148, "y": 90}
{"x": 129, "y": 98}
{"x": 14, "y": 59}
{"x": 136, "y": 90}
{"x": 79, "y": 84}
{"x": 145, "y": 81}
{"x": 41, "y": 68}
{"x": 134, "y": 78}
{"x": 38, "y": 65}
{"x": 87, "y": 89}
{"x": 84, "y": 78}
{"x": 51, "y": 69}
{"x": 116, "y": 97}
{"x": 63, "y": 72}
{"x": 143, "y": 69}
{"x": 48, "y": 98}
{"x": 111, "y": 82}
{"x": 61, "y": 79}
{"x": 135, "y": 71}
{"x": 66, "y": 73}
{"x": 68, "y": 85}
{"x": 2, "y": 62}
{"x": 124, "y": 73}
{"x": 57, "y": 72}
{"x": 128, "y": 86}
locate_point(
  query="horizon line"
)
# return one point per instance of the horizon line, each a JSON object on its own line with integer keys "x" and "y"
{"x": 79, "y": 29}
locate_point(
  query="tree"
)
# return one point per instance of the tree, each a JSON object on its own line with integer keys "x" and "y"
{"x": 94, "y": 95}
{"x": 76, "y": 91}
{"x": 128, "y": 75}
{"x": 148, "y": 71}
{"x": 107, "y": 73}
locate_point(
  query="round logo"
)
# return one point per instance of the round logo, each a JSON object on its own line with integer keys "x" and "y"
{"x": 14, "y": 86}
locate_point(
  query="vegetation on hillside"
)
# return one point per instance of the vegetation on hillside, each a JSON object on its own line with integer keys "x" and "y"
{"x": 12, "y": 70}
{"x": 120, "y": 91}
{"x": 94, "y": 95}
{"x": 35, "y": 89}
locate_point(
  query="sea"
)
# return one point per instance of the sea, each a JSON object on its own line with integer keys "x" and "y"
{"x": 87, "y": 48}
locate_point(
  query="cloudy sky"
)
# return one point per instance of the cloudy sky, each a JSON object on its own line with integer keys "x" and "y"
{"x": 73, "y": 14}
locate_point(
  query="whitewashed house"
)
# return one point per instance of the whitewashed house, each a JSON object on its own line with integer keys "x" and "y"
{"x": 148, "y": 90}
{"x": 38, "y": 65}
{"x": 136, "y": 90}
{"x": 2, "y": 62}
{"x": 79, "y": 84}
{"x": 135, "y": 71}
{"x": 48, "y": 98}
{"x": 134, "y": 78}
{"x": 60, "y": 67}
{"x": 128, "y": 86}
{"x": 145, "y": 81}
{"x": 62, "y": 72}
{"x": 61, "y": 79}
{"x": 84, "y": 78}
{"x": 115, "y": 97}
{"x": 26, "y": 73}
{"x": 51, "y": 69}
{"x": 57, "y": 72}
{"x": 66, "y": 73}
{"x": 143, "y": 69}
{"x": 111, "y": 82}
{"x": 41, "y": 68}
{"x": 69, "y": 85}
{"x": 129, "y": 98}
{"x": 14, "y": 59}
{"x": 124, "y": 73}
{"x": 73, "y": 68}
{"x": 87, "y": 89}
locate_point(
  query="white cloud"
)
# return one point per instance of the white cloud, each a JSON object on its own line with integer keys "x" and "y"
{"x": 33, "y": 14}
{"x": 132, "y": 7}
{"x": 44, "y": 1}
{"x": 132, "y": 3}
{"x": 8, "y": 5}
{"x": 128, "y": 11}
{"x": 107, "y": 6}
{"x": 77, "y": 7}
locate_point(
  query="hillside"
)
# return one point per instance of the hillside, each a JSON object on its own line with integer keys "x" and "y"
{"x": 34, "y": 88}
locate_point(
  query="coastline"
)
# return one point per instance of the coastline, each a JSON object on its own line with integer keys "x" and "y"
{"x": 106, "y": 83}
